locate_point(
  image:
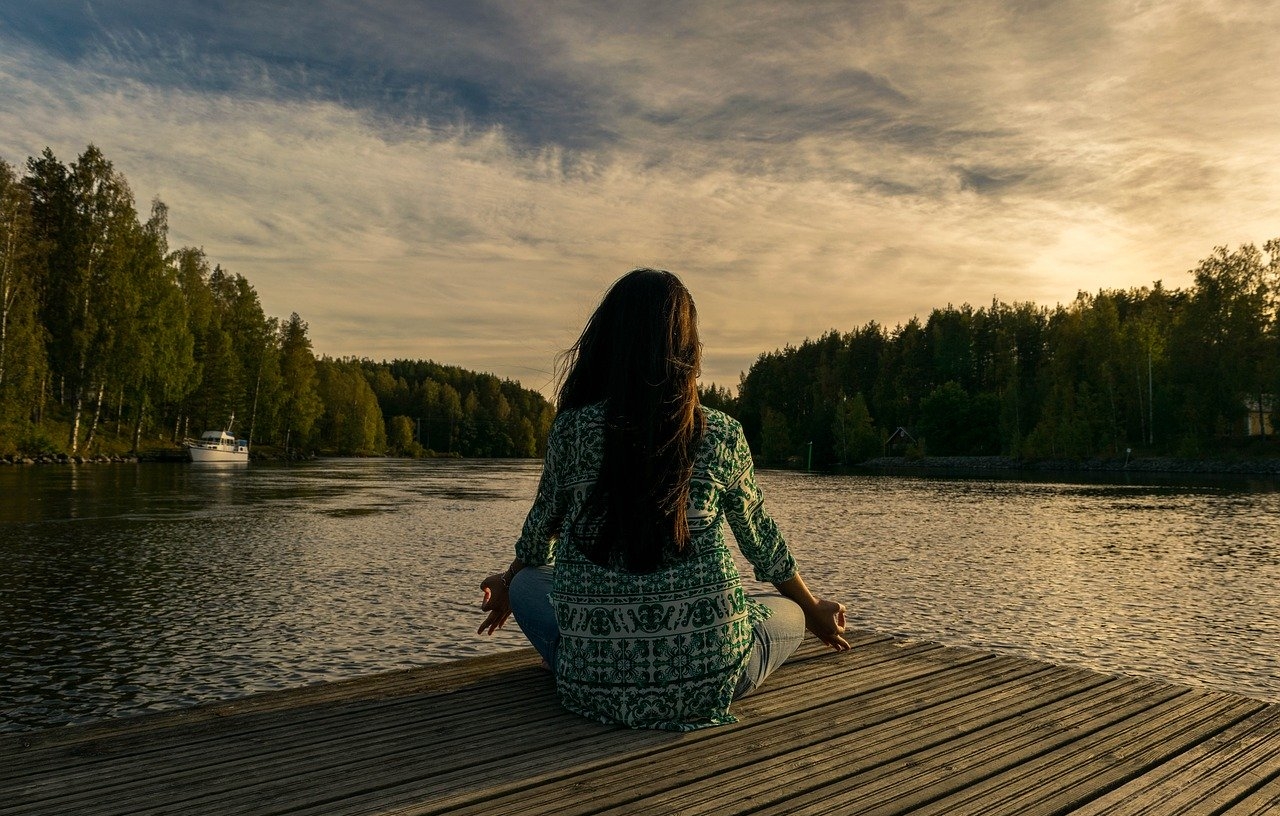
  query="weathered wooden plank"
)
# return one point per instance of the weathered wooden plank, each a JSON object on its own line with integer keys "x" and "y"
{"x": 841, "y": 742}
{"x": 775, "y": 700}
{"x": 255, "y": 747}
{"x": 283, "y": 759}
{"x": 1071, "y": 774}
{"x": 435, "y": 677}
{"x": 169, "y": 744}
{"x": 830, "y": 749}
{"x": 281, "y": 754}
{"x": 891, "y": 727}
{"x": 391, "y": 766}
{"x": 40, "y": 752}
{"x": 1209, "y": 778}
{"x": 941, "y": 762}
{"x": 112, "y": 751}
{"x": 678, "y": 770}
{"x": 1263, "y": 801}
{"x": 906, "y": 768}
{"x": 232, "y": 765}
{"x": 589, "y": 736}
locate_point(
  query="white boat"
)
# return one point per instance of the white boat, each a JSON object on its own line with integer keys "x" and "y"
{"x": 218, "y": 446}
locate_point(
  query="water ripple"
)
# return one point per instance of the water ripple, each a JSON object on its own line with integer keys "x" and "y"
{"x": 127, "y": 589}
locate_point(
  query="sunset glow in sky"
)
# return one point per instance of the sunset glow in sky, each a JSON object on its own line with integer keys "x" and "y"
{"x": 460, "y": 181}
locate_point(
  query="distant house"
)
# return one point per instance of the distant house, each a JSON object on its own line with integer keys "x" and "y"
{"x": 1257, "y": 418}
{"x": 898, "y": 442}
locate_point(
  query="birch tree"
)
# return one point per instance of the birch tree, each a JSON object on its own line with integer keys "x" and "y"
{"x": 22, "y": 357}
{"x": 86, "y": 216}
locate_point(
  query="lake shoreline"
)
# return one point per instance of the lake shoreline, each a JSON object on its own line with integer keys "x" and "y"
{"x": 153, "y": 457}
{"x": 881, "y": 464}
{"x": 1153, "y": 464}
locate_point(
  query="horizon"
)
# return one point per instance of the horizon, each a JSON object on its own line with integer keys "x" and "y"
{"x": 461, "y": 182}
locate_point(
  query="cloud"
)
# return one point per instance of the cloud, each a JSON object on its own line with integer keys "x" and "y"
{"x": 472, "y": 64}
{"x": 461, "y": 181}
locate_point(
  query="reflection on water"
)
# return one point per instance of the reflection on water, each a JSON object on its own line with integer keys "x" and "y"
{"x": 142, "y": 587}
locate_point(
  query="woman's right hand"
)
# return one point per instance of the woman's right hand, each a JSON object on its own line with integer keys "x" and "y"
{"x": 826, "y": 620}
{"x": 497, "y": 602}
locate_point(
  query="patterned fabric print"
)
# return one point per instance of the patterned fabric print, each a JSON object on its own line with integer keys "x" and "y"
{"x": 665, "y": 649}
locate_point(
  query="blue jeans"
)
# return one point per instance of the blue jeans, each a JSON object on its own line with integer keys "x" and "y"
{"x": 775, "y": 639}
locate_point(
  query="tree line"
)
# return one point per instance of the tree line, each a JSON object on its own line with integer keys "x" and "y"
{"x": 1161, "y": 371}
{"x": 109, "y": 339}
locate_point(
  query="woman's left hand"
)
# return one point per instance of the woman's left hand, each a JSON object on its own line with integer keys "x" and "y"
{"x": 497, "y": 602}
{"x": 826, "y": 620}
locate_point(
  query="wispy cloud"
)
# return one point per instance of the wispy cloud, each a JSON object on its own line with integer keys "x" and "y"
{"x": 461, "y": 181}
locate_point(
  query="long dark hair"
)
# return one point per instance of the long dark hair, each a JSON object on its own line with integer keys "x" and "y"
{"x": 640, "y": 355}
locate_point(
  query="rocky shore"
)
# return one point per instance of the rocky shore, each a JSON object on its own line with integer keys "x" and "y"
{"x": 63, "y": 459}
{"x": 1252, "y": 467}
{"x": 147, "y": 456}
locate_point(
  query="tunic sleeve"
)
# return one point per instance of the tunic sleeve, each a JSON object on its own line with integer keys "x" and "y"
{"x": 536, "y": 545}
{"x": 755, "y": 530}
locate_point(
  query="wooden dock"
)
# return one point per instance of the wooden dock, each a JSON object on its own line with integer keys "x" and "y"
{"x": 890, "y": 727}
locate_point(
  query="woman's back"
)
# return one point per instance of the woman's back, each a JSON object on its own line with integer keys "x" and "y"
{"x": 664, "y": 648}
{"x": 622, "y": 580}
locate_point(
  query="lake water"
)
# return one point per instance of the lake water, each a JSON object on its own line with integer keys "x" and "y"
{"x": 134, "y": 588}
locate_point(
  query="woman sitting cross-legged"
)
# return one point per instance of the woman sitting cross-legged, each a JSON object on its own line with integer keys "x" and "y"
{"x": 622, "y": 580}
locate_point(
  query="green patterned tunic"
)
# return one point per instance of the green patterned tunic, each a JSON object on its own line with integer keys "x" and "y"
{"x": 663, "y": 649}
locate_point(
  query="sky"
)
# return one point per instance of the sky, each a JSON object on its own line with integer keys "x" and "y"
{"x": 461, "y": 181}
